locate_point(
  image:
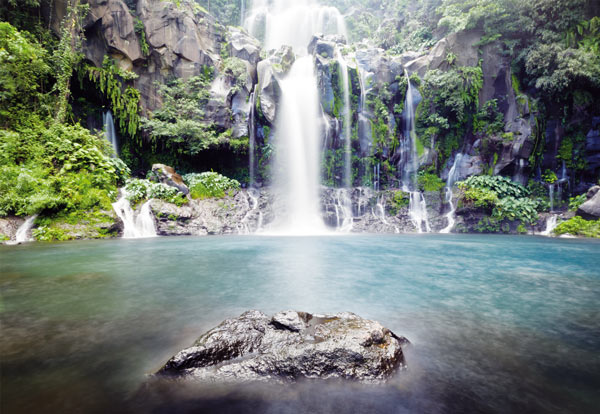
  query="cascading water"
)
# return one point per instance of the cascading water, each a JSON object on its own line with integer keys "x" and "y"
{"x": 292, "y": 23}
{"x": 252, "y": 138}
{"x": 551, "y": 224}
{"x": 453, "y": 177}
{"x": 242, "y": 12}
{"x": 297, "y": 160}
{"x": 409, "y": 159}
{"x": 346, "y": 125}
{"x": 299, "y": 118}
{"x": 23, "y": 234}
{"x": 109, "y": 130}
{"x": 551, "y": 195}
{"x": 135, "y": 226}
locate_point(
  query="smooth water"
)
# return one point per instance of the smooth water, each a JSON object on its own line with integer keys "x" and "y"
{"x": 497, "y": 323}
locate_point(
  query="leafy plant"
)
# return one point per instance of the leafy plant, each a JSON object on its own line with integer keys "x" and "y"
{"x": 576, "y": 202}
{"x": 577, "y": 226}
{"x": 209, "y": 185}
{"x": 137, "y": 190}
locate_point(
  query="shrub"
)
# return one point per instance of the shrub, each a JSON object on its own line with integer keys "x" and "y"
{"x": 577, "y": 226}
{"x": 479, "y": 197}
{"x": 209, "y": 185}
{"x": 430, "y": 182}
{"x": 576, "y": 202}
{"x": 522, "y": 209}
{"x": 502, "y": 186}
{"x": 138, "y": 190}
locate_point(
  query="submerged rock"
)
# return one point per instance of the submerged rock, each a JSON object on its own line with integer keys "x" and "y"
{"x": 290, "y": 346}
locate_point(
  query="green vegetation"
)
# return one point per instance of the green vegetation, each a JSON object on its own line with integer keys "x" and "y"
{"x": 576, "y": 202}
{"x": 429, "y": 182}
{"x": 398, "y": 201}
{"x": 179, "y": 126}
{"x": 138, "y": 190}
{"x": 506, "y": 200}
{"x": 577, "y": 226}
{"x": 209, "y": 185}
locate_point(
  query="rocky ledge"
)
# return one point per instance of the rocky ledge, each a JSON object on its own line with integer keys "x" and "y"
{"x": 290, "y": 346}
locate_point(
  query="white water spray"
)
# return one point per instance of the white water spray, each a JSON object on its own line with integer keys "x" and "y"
{"x": 109, "y": 130}
{"x": 135, "y": 226}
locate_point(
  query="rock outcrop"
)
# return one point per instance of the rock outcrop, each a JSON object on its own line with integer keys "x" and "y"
{"x": 167, "y": 175}
{"x": 590, "y": 210}
{"x": 290, "y": 346}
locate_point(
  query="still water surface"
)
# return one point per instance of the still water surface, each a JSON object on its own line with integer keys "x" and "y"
{"x": 497, "y": 323}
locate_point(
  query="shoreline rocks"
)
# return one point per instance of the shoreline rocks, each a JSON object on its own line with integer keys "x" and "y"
{"x": 290, "y": 346}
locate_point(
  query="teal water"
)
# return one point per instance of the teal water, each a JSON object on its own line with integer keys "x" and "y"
{"x": 497, "y": 323}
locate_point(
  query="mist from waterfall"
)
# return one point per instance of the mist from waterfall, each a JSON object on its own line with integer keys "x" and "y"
{"x": 292, "y": 23}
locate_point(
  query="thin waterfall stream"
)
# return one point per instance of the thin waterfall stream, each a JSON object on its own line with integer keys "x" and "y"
{"x": 417, "y": 204}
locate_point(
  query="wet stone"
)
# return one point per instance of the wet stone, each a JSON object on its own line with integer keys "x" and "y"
{"x": 290, "y": 346}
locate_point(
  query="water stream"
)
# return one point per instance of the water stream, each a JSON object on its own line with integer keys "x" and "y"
{"x": 498, "y": 324}
{"x": 453, "y": 176}
{"x": 135, "y": 225}
{"x": 109, "y": 130}
{"x": 410, "y": 165}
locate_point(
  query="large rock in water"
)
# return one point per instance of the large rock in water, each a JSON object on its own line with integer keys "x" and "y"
{"x": 290, "y": 346}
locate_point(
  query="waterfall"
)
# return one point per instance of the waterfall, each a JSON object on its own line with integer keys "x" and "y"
{"x": 551, "y": 224}
{"x": 297, "y": 160}
{"x": 242, "y": 12}
{"x": 409, "y": 160}
{"x": 109, "y": 130}
{"x": 24, "y": 231}
{"x": 551, "y": 195}
{"x": 453, "y": 176}
{"x": 347, "y": 134}
{"x": 292, "y": 23}
{"x": 343, "y": 210}
{"x": 297, "y": 132}
{"x": 135, "y": 226}
{"x": 252, "y": 138}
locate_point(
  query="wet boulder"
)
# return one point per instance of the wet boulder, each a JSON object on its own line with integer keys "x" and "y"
{"x": 290, "y": 346}
{"x": 590, "y": 210}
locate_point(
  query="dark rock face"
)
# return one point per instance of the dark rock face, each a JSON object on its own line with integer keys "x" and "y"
{"x": 590, "y": 210}
{"x": 290, "y": 346}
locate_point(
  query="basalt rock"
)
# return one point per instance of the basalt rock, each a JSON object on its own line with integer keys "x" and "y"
{"x": 291, "y": 346}
{"x": 590, "y": 210}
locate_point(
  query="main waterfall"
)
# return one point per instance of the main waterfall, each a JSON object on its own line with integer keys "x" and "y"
{"x": 298, "y": 124}
{"x": 297, "y": 160}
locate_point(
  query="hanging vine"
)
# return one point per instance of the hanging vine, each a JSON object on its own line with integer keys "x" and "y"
{"x": 124, "y": 100}
{"x": 67, "y": 55}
